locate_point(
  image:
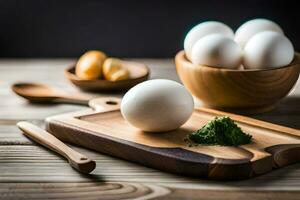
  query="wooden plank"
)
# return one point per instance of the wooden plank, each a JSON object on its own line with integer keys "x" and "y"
{"x": 91, "y": 190}
{"x": 115, "y": 190}
{"x": 229, "y": 195}
{"x": 26, "y": 163}
{"x": 10, "y": 133}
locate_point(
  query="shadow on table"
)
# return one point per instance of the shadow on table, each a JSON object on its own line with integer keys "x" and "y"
{"x": 92, "y": 177}
{"x": 275, "y": 178}
{"x": 286, "y": 113}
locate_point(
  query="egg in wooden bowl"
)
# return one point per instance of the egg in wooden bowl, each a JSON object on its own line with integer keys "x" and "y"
{"x": 95, "y": 72}
{"x": 248, "y": 71}
{"x": 241, "y": 90}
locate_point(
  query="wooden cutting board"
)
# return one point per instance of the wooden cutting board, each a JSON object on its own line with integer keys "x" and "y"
{"x": 105, "y": 130}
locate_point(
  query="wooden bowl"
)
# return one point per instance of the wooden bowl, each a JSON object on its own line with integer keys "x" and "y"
{"x": 245, "y": 91}
{"x": 138, "y": 73}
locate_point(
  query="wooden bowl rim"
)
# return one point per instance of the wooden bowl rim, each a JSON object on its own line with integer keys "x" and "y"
{"x": 71, "y": 76}
{"x": 181, "y": 57}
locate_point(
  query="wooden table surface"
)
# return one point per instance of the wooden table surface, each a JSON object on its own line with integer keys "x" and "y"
{"x": 28, "y": 171}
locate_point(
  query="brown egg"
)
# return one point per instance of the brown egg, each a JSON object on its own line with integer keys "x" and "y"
{"x": 113, "y": 70}
{"x": 89, "y": 65}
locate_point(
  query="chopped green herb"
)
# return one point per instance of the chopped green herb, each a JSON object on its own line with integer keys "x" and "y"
{"x": 220, "y": 131}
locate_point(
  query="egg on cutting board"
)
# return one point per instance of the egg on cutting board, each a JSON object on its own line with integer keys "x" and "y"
{"x": 202, "y": 30}
{"x": 157, "y": 105}
{"x": 268, "y": 49}
{"x": 252, "y": 27}
{"x": 217, "y": 50}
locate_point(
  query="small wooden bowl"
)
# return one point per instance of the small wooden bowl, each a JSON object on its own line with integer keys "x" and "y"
{"x": 138, "y": 73}
{"x": 245, "y": 91}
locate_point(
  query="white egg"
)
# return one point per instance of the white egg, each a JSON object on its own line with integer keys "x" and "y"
{"x": 202, "y": 30}
{"x": 216, "y": 50}
{"x": 157, "y": 105}
{"x": 252, "y": 27}
{"x": 268, "y": 49}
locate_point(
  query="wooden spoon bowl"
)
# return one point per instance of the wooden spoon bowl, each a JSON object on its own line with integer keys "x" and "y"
{"x": 246, "y": 91}
{"x": 138, "y": 73}
{"x": 40, "y": 93}
{"x": 35, "y": 92}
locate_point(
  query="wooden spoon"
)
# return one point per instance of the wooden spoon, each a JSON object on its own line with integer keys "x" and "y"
{"x": 78, "y": 161}
{"x": 40, "y": 93}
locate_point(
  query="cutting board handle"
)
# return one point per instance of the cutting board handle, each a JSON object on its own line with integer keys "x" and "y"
{"x": 104, "y": 104}
{"x": 284, "y": 154}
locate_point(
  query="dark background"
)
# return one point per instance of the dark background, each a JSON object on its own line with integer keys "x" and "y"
{"x": 50, "y": 28}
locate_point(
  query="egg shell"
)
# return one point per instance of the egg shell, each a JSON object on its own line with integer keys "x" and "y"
{"x": 202, "y": 30}
{"x": 157, "y": 105}
{"x": 89, "y": 65}
{"x": 268, "y": 49}
{"x": 252, "y": 27}
{"x": 216, "y": 50}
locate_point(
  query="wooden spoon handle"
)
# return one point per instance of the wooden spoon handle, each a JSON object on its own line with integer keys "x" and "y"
{"x": 80, "y": 162}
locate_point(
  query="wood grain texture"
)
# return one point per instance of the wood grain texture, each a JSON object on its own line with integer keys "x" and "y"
{"x": 90, "y": 190}
{"x": 29, "y": 163}
{"x": 94, "y": 190}
{"x": 23, "y": 163}
{"x": 107, "y": 131}
{"x": 246, "y": 91}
